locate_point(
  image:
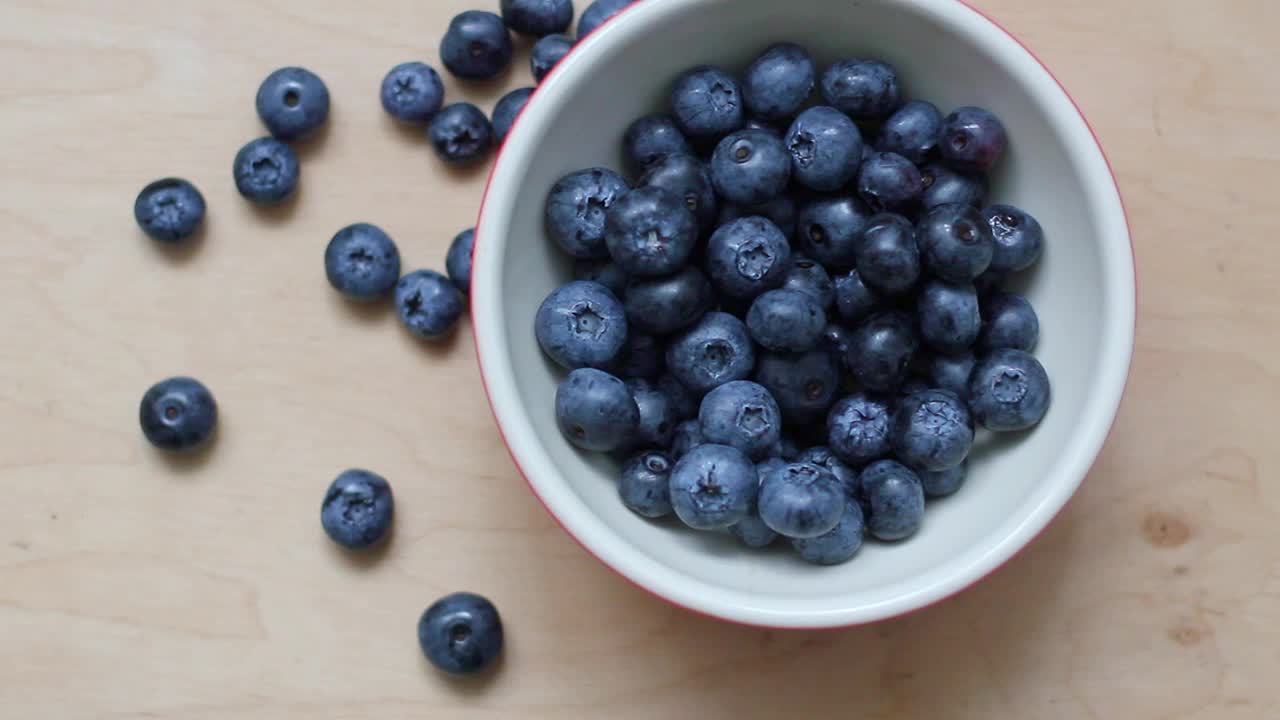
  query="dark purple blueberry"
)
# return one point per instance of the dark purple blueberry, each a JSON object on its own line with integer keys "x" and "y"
{"x": 944, "y": 186}
{"x": 750, "y": 167}
{"x": 804, "y": 385}
{"x": 713, "y": 486}
{"x": 596, "y": 411}
{"x": 825, "y": 148}
{"x": 865, "y": 90}
{"x": 461, "y": 634}
{"x": 707, "y": 103}
{"x": 889, "y": 182}
{"x": 412, "y": 92}
{"x": 683, "y": 402}
{"x": 169, "y": 210}
{"x": 663, "y": 305}
{"x": 686, "y": 177}
{"x": 1008, "y": 390}
{"x": 1008, "y": 321}
{"x": 837, "y": 545}
{"x": 178, "y": 414}
{"x": 880, "y": 351}
{"x": 657, "y": 418}
{"x": 830, "y": 229}
{"x": 547, "y": 53}
{"x": 973, "y": 139}
{"x": 932, "y": 430}
{"x": 913, "y": 131}
{"x": 778, "y": 82}
{"x": 951, "y": 372}
{"x": 651, "y": 138}
{"x": 357, "y": 509}
{"x": 476, "y": 45}
{"x": 645, "y": 484}
{"x": 362, "y": 262}
{"x": 780, "y": 211}
{"x": 266, "y": 171}
{"x": 537, "y": 17}
{"x": 955, "y": 242}
{"x": 887, "y": 258}
{"x": 507, "y": 110}
{"x": 747, "y": 257}
{"x": 808, "y": 276}
{"x": 1019, "y": 239}
{"x": 943, "y": 482}
{"x": 605, "y": 272}
{"x": 581, "y": 324}
{"x": 858, "y": 428}
{"x": 948, "y": 317}
{"x": 894, "y": 498}
{"x": 687, "y": 436}
{"x": 854, "y": 300}
{"x": 457, "y": 262}
{"x": 641, "y": 356}
{"x": 428, "y": 305}
{"x": 574, "y": 214}
{"x": 715, "y": 351}
{"x": 460, "y": 134}
{"x": 835, "y": 340}
{"x": 786, "y": 321}
{"x": 292, "y": 102}
{"x": 800, "y": 500}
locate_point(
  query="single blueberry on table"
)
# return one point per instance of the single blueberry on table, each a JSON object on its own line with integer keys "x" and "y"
{"x": 663, "y": 305}
{"x": 581, "y": 324}
{"x": 683, "y": 403}
{"x": 1008, "y": 390}
{"x": 801, "y": 500}
{"x": 1018, "y": 237}
{"x": 894, "y": 498}
{"x": 889, "y": 182}
{"x": 786, "y": 321}
{"x": 412, "y": 92}
{"x": 913, "y": 131}
{"x": 951, "y": 372}
{"x": 362, "y": 262}
{"x": 944, "y": 482}
{"x": 780, "y": 211}
{"x": 547, "y": 53}
{"x": 750, "y": 167}
{"x": 973, "y": 140}
{"x": 887, "y": 258}
{"x": 357, "y": 509}
{"x": 537, "y": 17}
{"x": 854, "y": 300}
{"x": 178, "y": 414}
{"x": 808, "y": 276}
{"x": 605, "y": 272}
{"x": 651, "y": 138}
{"x": 865, "y": 90}
{"x": 778, "y": 82}
{"x": 830, "y": 230}
{"x": 686, "y": 177}
{"x": 649, "y": 231}
{"x": 944, "y": 186}
{"x": 597, "y": 12}
{"x": 747, "y": 257}
{"x": 266, "y": 171}
{"x": 932, "y": 430}
{"x": 707, "y": 103}
{"x": 460, "y": 134}
{"x": 825, "y": 148}
{"x": 641, "y": 356}
{"x": 955, "y": 242}
{"x": 645, "y": 484}
{"x": 428, "y": 304}
{"x": 169, "y": 210}
{"x": 1008, "y": 321}
{"x": 292, "y": 102}
{"x": 741, "y": 414}
{"x": 461, "y": 634}
{"x": 713, "y": 486}
{"x": 858, "y": 428}
{"x": 948, "y": 317}
{"x": 476, "y": 45}
{"x": 837, "y": 545}
{"x": 751, "y": 530}
{"x": 881, "y": 349}
{"x": 507, "y": 110}
{"x": 657, "y": 418}
{"x": 715, "y": 351}
{"x": 596, "y": 411}
{"x": 826, "y": 458}
{"x": 574, "y": 213}
{"x": 457, "y": 262}
{"x": 687, "y": 436}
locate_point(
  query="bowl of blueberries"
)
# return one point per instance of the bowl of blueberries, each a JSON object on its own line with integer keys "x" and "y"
{"x": 806, "y": 314}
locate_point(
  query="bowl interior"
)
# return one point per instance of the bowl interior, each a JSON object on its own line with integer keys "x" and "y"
{"x": 1082, "y": 290}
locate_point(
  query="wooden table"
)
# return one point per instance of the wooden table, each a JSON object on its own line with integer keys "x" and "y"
{"x": 133, "y": 586}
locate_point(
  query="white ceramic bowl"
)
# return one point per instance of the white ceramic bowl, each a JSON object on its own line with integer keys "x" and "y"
{"x": 1083, "y": 290}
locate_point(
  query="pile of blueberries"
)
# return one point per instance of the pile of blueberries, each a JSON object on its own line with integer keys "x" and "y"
{"x": 791, "y": 322}
{"x": 461, "y": 633}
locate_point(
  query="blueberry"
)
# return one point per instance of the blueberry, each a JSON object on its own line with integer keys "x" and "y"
{"x": 715, "y": 351}
{"x": 755, "y": 123}
{"x": 973, "y": 140}
{"x": 362, "y": 262}
{"x": 605, "y": 272}
{"x": 858, "y": 428}
{"x": 747, "y": 257}
{"x": 428, "y": 304}
{"x": 266, "y": 171}
{"x": 686, "y": 177}
{"x": 779, "y": 81}
{"x": 887, "y": 258}
{"x": 787, "y": 448}
{"x": 750, "y": 167}
{"x": 649, "y": 231}
{"x": 357, "y": 509}
{"x": 461, "y": 633}
{"x": 780, "y": 211}
{"x": 881, "y": 349}
{"x": 645, "y": 484}
{"x": 460, "y": 133}
{"x": 751, "y": 530}
{"x": 932, "y": 430}
{"x": 835, "y": 340}
{"x": 178, "y": 414}
{"x": 683, "y": 403}
{"x": 412, "y": 92}
{"x": 830, "y": 230}
{"x": 825, "y": 148}
{"x": 581, "y": 324}
{"x": 808, "y": 276}
{"x": 597, "y": 12}
{"x": 888, "y": 181}
{"x": 476, "y": 45}
{"x": 865, "y": 90}
{"x": 801, "y": 500}
{"x": 687, "y": 436}
{"x": 641, "y": 356}
{"x": 657, "y": 419}
{"x": 651, "y": 138}
{"x": 854, "y": 300}
{"x": 457, "y": 262}
{"x": 895, "y": 499}
{"x": 948, "y": 315}
{"x": 1008, "y": 390}
{"x": 547, "y": 53}
{"x": 596, "y": 411}
{"x": 507, "y": 110}
{"x": 944, "y": 482}
{"x": 826, "y": 458}
{"x": 1018, "y": 237}
{"x": 575, "y": 210}
{"x": 292, "y": 102}
{"x": 169, "y": 210}
{"x": 988, "y": 282}
{"x": 944, "y": 186}
{"x": 786, "y": 321}
{"x": 707, "y": 103}
{"x": 537, "y": 17}
{"x": 1008, "y": 321}
{"x": 742, "y": 414}
{"x": 663, "y": 305}
{"x": 838, "y": 544}
{"x": 951, "y": 372}
{"x": 713, "y": 486}
{"x": 955, "y": 242}
{"x": 913, "y": 131}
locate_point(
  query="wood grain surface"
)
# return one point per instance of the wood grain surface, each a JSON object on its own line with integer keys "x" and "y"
{"x": 134, "y": 586}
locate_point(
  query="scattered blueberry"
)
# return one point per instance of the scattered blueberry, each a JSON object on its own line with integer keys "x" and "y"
{"x": 651, "y": 138}
{"x": 266, "y": 171}
{"x": 948, "y": 316}
{"x": 895, "y": 499}
{"x": 881, "y": 349}
{"x": 742, "y": 414}
{"x": 888, "y": 181}
{"x": 663, "y": 305}
{"x": 581, "y": 324}
{"x": 412, "y": 92}
{"x": 357, "y": 509}
{"x": 944, "y": 186}
{"x": 747, "y": 257}
{"x": 713, "y": 486}
{"x": 428, "y": 304}
{"x": 597, "y": 12}
{"x": 507, "y": 110}
{"x": 932, "y": 430}
{"x": 854, "y": 300}
{"x": 461, "y": 633}
{"x": 547, "y": 53}
{"x": 476, "y": 45}
{"x": 605, "y": 272}
{"x": 292, "y": 102}
{"x": 780, "y": 211}
{"x": 645, "y": 484}
{"x": 951, "y": 372}
{"x": 1008, "y": 321}
{"x": 537, "y": 17}
{"x": 686, "y": 177}
{"x": 707, "y": 102}
{"x": 649, "y": 231}
{"x": 596, "y": 411}
{"x": 830, "y": 229}
{"x": 808, "y": 276}
{"x": 838, "y": 544}
{"x": 169, "y": 210}
{"x": 178, "y": 414}
{"x": 750, "y": 167}
{"x": 858, "y": 429}
{"x": 779, "y": 81}
{"x": 687, "y": 436}
{"x": 955, "y": 242}
{"x": 825, "y": 148}
{"x": 641, "y": 356}
{"x": 460, "y": 133}
{"x": 865, "y": 90}
{"x": 944, "y": 482}
{"x": 1008, "y": 390}
{"x": 575, "y": 210}
{"x": 801, "y": 500}
{"x": 913, "y": 131}
{"x": 457, "y": 262}
{"x": 786, "y": 321}
{"x": 657, "y": 418}
{"x": 1018, "y": 237}
{"x": 715, "y": 351}
{"x": 362, "y": 262}
{"x": 973, "y": 139}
